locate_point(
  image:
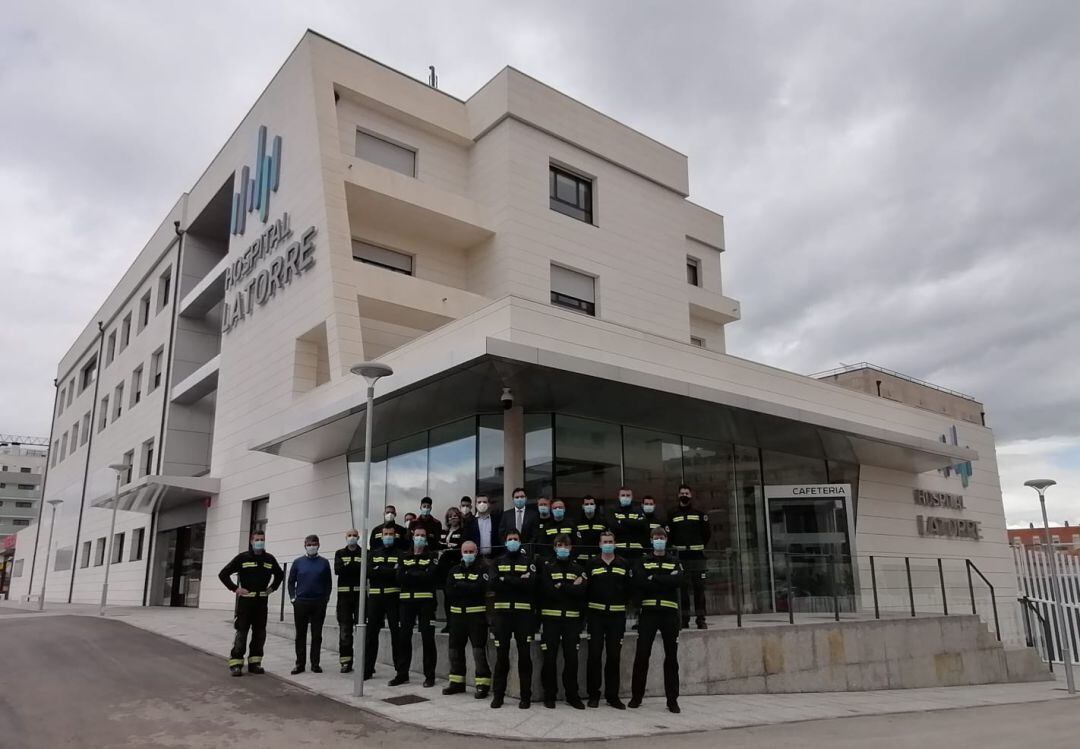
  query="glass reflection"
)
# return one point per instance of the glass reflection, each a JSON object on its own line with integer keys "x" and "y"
{"x": 489, "y": 459}
{"x": 451, "y": 464}
{"x": 406, "y": 472}
{"x": 378, "y": 484}
{"x": 653, "y": 465}
{"x": 539, "y": 455}
{"x": 753, "y": 542}
{"x": 588, "y": 459}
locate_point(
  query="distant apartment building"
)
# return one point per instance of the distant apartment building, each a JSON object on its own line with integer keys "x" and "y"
{"x": 22, "y": 474}
{"x": 1062, "y": 537}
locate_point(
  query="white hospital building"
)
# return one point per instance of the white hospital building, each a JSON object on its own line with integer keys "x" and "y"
{"x": 514, "y": 245}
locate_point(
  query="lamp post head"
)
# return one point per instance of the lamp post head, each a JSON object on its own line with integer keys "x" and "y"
{"x": 55, "y": 502}
{"x": 119, "y": 467}
{"x": 371, "y": 370}
{"x": 1040, "y": 485}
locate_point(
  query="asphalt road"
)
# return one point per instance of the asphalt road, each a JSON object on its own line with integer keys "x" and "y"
{"x": 71, "y": 681}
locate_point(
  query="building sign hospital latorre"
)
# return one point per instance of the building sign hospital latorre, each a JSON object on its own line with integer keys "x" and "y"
{"x": 278, "y": 256}
{"x": 944, "y": 527}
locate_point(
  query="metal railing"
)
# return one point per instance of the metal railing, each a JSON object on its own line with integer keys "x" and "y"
{"x": 1035, "y": 586}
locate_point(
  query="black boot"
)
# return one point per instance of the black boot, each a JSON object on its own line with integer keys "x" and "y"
{"x": 673, "y": 706}
{"x": 399, "y": 680}
{"x": 575, "y": 702}
{"x": 482, "y": 693}
{"x": 634, "y": 702}
{"x": 525, "y": 703}
{"x": 454, "y": 688}
{"x": 236, "y": 670}
{"x": 346, "y": 668}
{"x": 616, "y": 703}
{"x": 594, "y": 702}
{"x": 316, "y": 668}
{"x": 255, "y": 668}
{"x": 297, "y": 669}
{"x": 497, "y": 701}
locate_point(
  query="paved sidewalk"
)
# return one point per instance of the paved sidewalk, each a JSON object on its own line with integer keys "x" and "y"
{"x": 211, "y": 631}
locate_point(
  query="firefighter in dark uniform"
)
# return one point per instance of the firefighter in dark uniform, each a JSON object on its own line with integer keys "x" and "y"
{"x": 558, "y": 525}
{"x": 630, "y": 526}
{"x": 382, "y": 597}
{"x": 543, "y": 520}
{"x": 658, "y": 575}
{"x": 610, "y": 578}
{"x": 348, "y": 563}
{"x": 689, "y": 531}
{"x": 466, "y": 597}
{"x": 563, "y": 584}
{"x": 589, "y": 527}
{"x": 513, "y": 578}
{"x": 401, "y": 533}
{"x": 416, "y": 578}
{"x": 258, "y": 575}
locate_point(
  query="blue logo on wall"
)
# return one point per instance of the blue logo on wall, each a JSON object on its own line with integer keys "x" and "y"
{"x": 254, "y": 193}
{"x": 963, "y": 470}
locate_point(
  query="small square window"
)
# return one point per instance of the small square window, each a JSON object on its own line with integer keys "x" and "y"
{"x": 570, "y": 194}
{"x": 137, "y": 537}
{"x": 696, "y": 341}
{"x": 573, "y": 290}
{"x": 693, "y": 271}
{"x": 385, "y": 153}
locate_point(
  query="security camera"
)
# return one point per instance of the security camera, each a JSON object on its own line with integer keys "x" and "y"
{"x": 507, "y": 399}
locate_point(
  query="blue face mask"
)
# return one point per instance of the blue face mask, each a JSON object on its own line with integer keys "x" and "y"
{"x": 311, "y": 550}
{"x": 558, "y": 513}
{"x": 513, "y": 545}
{"x": 352, "y": 540}
{"x": 425, "y": 511}
{"x": 648, "y": 509}
{"x": 562, "y": 552}
{"x": 545, "y": 510}
{"x": 387, "y": 541}
{"x": 625, "y": 501}
{"x": 419, "y": 541}
{"x": 468, "y": 557}
{"x": 589, "y": 510}
{"x": 519, "y": 502}
{"x": 608, "y": 548}
{"x": 659, "y": 544}
{"x": 258, "y": 545}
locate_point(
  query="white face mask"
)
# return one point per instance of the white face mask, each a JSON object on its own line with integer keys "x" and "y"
{"x": 389, "y": 517}
{"x": 481, "y": 506}
{"x": 311, "y": 550}
{"x": 352, "y": 540}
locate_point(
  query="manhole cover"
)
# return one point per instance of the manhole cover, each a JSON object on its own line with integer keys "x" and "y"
{"x": 406, "y": 699}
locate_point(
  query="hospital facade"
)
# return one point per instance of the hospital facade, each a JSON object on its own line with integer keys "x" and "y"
{"x": 552, "y": 304}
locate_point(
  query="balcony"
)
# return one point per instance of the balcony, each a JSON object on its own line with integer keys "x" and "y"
{"x": 206, "y": 294}
{"x": 713, "y": 306}
{"x": 386, "y": 201}
{"x": 198, "y": 384}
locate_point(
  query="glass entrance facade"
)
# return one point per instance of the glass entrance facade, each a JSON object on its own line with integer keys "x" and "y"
{"x": 569, "y": 457}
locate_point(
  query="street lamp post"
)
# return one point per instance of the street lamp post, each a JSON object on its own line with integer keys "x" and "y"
{"x": 120, "y": 469}
{"x": 1041, "y": 485}
{"x": 48, "y": 551}
{"x": 371, "y": 372}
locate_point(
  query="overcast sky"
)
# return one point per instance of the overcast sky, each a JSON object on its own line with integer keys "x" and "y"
{"x": 900, "y": 181}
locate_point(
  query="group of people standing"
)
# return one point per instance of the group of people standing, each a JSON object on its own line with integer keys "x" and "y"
{"x": 509, "y": 575}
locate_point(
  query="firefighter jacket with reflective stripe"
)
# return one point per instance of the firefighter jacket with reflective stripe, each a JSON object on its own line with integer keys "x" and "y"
{"x": 609, "y": 584}
{"x": 255, "y": 573}
{"x": 383, "y": 571}
{"x": 513, "y": 581}
{"x": 559, "y": 596}
{"x": 659, "y": 579}
{"x": 416, "y": 576}
{"x": 347, "y": 565}
{"x": 466, "y": 588}
{"x": 552, "y": 530}
{"x": 588, "y": 536}
{"x": 688, "y": 532}
{"x": 631, "y": 528}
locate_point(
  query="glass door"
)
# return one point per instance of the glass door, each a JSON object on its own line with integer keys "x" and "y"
{"x": 183, "y": 564}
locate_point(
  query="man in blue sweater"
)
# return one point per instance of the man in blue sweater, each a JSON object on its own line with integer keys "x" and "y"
{"x": 309, "y": 590}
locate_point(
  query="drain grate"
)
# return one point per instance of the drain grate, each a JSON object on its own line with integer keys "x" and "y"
{"x": 406, "y": 699}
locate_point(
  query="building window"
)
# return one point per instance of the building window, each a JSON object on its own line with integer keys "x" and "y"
{"x": 27, "y": 487}
{"x": 60, "y": 401}
{"x": 696, "y": 341}
{"x": 136, "y": 386}
{"x": 63, "y": 446}
{"x": 74, "y": 438}
{"x": 86, "y": 377}
{"x": 129, "y": 461}
{"x": 85, "y": 435}
{"x": 164, "y": 289}
{"x": 125, "y": 331}
{"x": 144, "y": 311}
{"x": 71, "y": 385}
{"x": 99, "y": 552}
{"x": 103, "y": 420}
{"x": 147, "y": 461}
{"x": 385, "y": 153}
{"x": 571, "y": 194}
{"x": 24, "y": 469}
{"x": 383, "y": 257}
{"x": 118, "y": 401}
{"x": 84, "y": 555}
{"x": 693, "y": 271}
{"x": 137, "y": 537}
{"x": 110, "y": 349}
{"x": 117, "y": 548}
{"x": 259, "y": 509}
{"x": 25, "y": 505}
{"x": 155, "y": 370}
{"x": 20, "y": 522}
{"x": 55, "y": 452}
{"x": 573, "y": 290}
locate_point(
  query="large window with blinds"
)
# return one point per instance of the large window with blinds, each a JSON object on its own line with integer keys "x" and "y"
{"x": 573, "y": 290}
{"x": 386, "y": 153}
{"x": 373, "y": 254}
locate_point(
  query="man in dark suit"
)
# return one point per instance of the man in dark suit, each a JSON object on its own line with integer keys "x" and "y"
{"x": 482, "y": 528}
{"x": 521, "y": 517}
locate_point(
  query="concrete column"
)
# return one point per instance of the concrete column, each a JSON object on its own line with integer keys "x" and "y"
{"x": 513, "y": 451}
